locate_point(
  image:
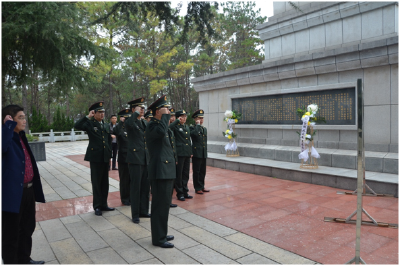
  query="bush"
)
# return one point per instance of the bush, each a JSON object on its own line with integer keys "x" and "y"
{"x": 38, "y": 122}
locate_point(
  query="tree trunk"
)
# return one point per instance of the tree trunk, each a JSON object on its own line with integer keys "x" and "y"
{"x": 3, "y": 90}
{"x": 48, "y": 107}
{"x": 25, "y": 105}
{"x": 111, "y": 93}
{"x": 67, "y": 102}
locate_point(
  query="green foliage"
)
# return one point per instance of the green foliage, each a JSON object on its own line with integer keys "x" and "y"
{"x": 46, "y": 36}
{"x": 244, "y": 47}
{"x": 31, "y": 138}
{"x": 38, "y": 122}
{"x": 60, "y": 122}
{"x": 76, "y": 53}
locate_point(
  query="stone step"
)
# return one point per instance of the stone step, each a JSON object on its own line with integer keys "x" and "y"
{"x": 383, "y": 162}
{"x": 342, "y": 178}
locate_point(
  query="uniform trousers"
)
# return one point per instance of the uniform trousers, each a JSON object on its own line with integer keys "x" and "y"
{"x": 124, "y": 181}
{"x": 139, "y": 189}
{"x": 160, "y": 204}
{"x": 17, "y": 230}
{"x": 100, "y": 183}
{"x": 182, "y": 176}
{"x": 199, "y": 166}
{"x": 114, "y": 154}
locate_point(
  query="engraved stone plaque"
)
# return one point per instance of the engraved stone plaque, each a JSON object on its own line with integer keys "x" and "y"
{"x": 38, "y": 150}
{"x": 337, "y": 106}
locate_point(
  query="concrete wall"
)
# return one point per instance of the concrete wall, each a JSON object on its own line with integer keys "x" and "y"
{"x": 298, "y": 67}
{"x": 325, "y": 25}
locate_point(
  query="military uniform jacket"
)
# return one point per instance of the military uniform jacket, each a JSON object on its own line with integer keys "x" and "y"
{"x": 122, "y": 141}
{"x": 137, "y": 144}
{"x": 172, "y": 140}
{"x": 162, "y": 160}
{"x": 99, "y": 148}
{"x": 182, "y": 138}
{"x": 199, "y": 141}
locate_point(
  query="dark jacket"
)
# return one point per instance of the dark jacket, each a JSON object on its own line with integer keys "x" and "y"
{"x": 137, "y": 144}
{"x": 199, "y": 141}
{"x": 122, "y": 141}
{"x": 13, "y": 169}
{"x": 173, "y": 142}
{"x": 99, "y": 148}
{"x": 182, "y": 137}
{"x": 161, "y": 153}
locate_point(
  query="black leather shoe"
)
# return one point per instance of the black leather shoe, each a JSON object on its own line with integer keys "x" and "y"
{"x": 108, "y": 209}
{"x": 173, "y": 205}
{"x": 145, "y": 215}
{"x": 166, "y": 245}
{"x": 181, "y": 198}
{"x": 36, "y": 262}
{"x": 126, "y": 203}
{"x": 98, "y": 212}
{"x": 169, "y": 238}
{"x": 136, "y": 220}
{"x": 188, "y": 197}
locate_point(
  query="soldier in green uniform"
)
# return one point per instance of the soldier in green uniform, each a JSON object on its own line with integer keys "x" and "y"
{"x": 184, "y": 152}
{"x": 198, "y": 133}
{"x": 148, "y": 115}
{"x": 138, "y": 159}
{"x": 172, "y": 138}
{"x": 98, "y": 153}
{"x": 173, "y": 117}
{"x": 162, "y": 172}
{"x": 123, "y": 169}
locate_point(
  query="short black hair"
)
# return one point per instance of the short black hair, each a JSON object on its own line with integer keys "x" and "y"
{"x": 113, "y": 116}
{"x": 12, "y": 110}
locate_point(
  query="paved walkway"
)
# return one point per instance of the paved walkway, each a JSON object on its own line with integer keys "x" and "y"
{"x": 245, "y": 219}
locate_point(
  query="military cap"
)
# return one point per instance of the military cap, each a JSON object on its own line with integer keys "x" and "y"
{"x": 198, "y": 113}
{"x": 149, "y": 113}
{"x": 180, "y": 112}
{"x": 97, "y": 107}
{"x": 172, "y": 110}
{"x": 125, "y": 112}
{"x": 137, "y": 102}
{"x": 161, "y": 102}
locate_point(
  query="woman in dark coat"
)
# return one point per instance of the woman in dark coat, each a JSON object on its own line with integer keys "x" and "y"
{"x": 21, "y": 187}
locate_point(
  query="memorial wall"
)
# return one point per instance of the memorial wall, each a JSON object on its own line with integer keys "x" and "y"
{"x": 314, "y": 56}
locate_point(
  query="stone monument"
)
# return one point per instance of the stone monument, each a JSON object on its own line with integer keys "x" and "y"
{"x": 315, "y": 55}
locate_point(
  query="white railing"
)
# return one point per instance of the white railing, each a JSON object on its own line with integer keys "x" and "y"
{"x": 60, "y": 136}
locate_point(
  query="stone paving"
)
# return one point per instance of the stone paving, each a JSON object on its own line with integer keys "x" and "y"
{"x": 113, "y": 238}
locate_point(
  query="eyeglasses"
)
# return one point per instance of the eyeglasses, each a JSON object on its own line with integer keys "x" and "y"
{"x": 21, "y": 118}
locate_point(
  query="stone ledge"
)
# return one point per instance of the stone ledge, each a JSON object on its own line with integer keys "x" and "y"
{"x": 371, "y": 53}
{"x": 314, "y": 16}
{"x": 384, "y": 162}
{"x": 328, "y": 176}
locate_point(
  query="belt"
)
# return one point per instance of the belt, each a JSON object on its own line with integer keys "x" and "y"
{"x": 28, "y": 185}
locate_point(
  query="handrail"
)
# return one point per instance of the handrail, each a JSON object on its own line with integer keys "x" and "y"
{"x": 60, "y": 135}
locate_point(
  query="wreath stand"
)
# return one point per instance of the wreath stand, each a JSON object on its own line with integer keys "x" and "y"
{"x": 232, "y": 153}
{"x": 311, "y": 163}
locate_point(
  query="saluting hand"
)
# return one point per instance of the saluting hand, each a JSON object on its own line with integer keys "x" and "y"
{"x": 137, "y": 109}
{"x": 164, "y": 111}
{"x": 197, "y": 122}
{"x": 91, "y": 114}
{"x": 180, "y": 119}
{"x": 8, "y": 117}
{"x": 112, "y": 136}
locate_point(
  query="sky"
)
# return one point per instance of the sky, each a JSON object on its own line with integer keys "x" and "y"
{"x": 265, "y": 5}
